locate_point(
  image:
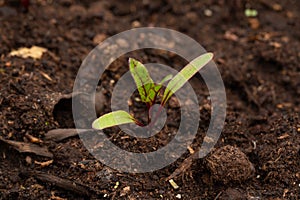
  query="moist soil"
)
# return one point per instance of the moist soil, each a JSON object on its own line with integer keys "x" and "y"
{"x": 258, "y": 153}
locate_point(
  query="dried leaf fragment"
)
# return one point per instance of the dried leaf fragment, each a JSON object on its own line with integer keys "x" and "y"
{"x": 34, "y": 52}
{"x": 46, "y": 76}
{"x": 285, "y": 135}
{"x": 44, "y": 164}
{"x": 191, "y": 150}
{"x": 173, "y": 184}
{"x": 33, "y": 139}
{"x": 231, "y": 36}
{"x": 125, "y": 191}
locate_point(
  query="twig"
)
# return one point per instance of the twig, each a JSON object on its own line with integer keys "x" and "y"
{"x": 61, "y": 134}
{"x": 184, "y": 166}
{"x": 28, "y": 148}
{"x": 59, "y": 182}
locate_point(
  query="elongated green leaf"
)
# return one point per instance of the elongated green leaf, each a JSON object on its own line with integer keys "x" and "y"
{"x": 112, "y": 119}
{"x": 142, "y": 79}
{"x": 165, "y": 79}
{"x": 185, "y": 74}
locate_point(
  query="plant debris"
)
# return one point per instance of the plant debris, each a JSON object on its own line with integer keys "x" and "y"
{"x": 34, "y": 52}
{"x": 28, "y": 148}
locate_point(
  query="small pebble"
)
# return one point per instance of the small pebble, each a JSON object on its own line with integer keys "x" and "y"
{"x": 99, "y": 38}
{"x": 277, "y": 7}
{"x": 122, "y": 43}
{"x": 28, "y": 159}
{"x": 208, "y": 12}
{"x": 135, "y": 24}
{"x": 254, "y": 23}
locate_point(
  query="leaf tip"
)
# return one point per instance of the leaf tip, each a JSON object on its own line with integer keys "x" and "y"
{"x": 132, "y": 62}
{"x": 210, "y": 55}
{"x": 95, "y": 125}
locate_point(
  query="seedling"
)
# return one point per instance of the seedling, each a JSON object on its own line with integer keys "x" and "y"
{"x": 149, "y": 91}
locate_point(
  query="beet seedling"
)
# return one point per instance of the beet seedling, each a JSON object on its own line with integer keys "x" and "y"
{"x": 149, "y": 91}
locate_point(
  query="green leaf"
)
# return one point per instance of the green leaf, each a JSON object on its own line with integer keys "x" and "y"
{"x": 185, "y": 74}
{"x": 167, "y": 78}
{"x": 152, "y": 95}
{"x": 112, "y": 119}
{"x": 142, "y": 79}
{"x": 153, "y": 92}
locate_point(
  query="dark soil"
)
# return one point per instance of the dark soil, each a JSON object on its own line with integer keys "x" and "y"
{"x": 258, "y": 59}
